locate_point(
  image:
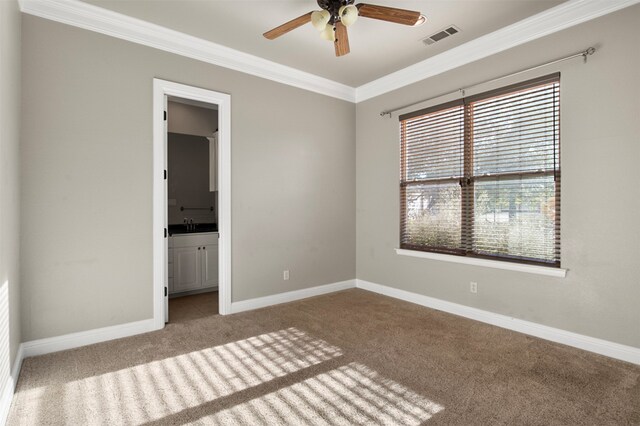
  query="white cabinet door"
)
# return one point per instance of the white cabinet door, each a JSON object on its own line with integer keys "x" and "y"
{"x": 187, "y": 268}
{"x": 193, "y": 262}
{"x": 210, "y": 265}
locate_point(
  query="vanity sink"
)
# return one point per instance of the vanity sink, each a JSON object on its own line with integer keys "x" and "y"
{"x": 193, "y": 229}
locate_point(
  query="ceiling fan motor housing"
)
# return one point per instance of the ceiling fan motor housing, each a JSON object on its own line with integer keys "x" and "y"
{"x": 333, "y": 7}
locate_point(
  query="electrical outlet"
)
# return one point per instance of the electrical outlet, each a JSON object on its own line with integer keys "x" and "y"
{"x": 473, "y": 287}
{"x": 285, "y": 275}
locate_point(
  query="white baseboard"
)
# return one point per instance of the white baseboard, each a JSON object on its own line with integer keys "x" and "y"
{"x": 73, "y": 340}
{"x": 10, "y": 386}
{"x": 192, "y": 292}
{"x": 290, "y": 296}
{"x": 83, "y": 338}
{"x": 591, "y": 344}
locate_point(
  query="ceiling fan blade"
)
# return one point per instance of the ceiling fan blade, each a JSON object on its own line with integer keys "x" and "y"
{"x": 391, "y": 14}
{"x": 288, "y": 26}
{"x": 342, "y": 39}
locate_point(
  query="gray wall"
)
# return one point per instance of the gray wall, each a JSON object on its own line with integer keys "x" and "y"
{"x": 191, "y": 119}
{"x": 10, "y": 336}
{"x": 85, "y": 264}
{"x": 600, "y": 113}
{"x": 87, "y": 188}
{"x": 188, "y": 183}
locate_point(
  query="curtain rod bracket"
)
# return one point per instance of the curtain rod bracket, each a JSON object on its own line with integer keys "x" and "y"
{"x": 590, "y": 51}
{"x": 383, "y": 113}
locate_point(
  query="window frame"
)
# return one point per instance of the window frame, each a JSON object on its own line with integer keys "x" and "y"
{"x": 468, "y": 180}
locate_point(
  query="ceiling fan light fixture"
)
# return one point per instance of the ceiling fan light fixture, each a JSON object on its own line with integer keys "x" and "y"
{"x": 348, "y": 14}
{"x": 421, "y": 20}
{"x": 320, "y": 19}
{"x": 336, "y": 15}
{"x": 328, "y": 33}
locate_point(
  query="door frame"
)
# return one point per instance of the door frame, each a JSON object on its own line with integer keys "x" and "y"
{"x": 162, "y": 89}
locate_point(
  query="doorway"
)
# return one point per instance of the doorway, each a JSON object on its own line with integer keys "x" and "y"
{"x": 192, "y": 189}
{"x": 188, "y": 95}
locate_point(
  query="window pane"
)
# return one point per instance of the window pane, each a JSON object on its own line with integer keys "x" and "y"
{"x": 516, "y": 132}
{"x": 516, "y": 218}
{"x": 433, "y": 145}
{"x": 432, "y": 215}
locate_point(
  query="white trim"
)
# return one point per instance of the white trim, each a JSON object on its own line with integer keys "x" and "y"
{"x": 17, "y": 363}
{"x": 83, "y": 338}
{"x": 290, "y": 296}
{"x": 558, "y": 18}
{"x": 10, "y": 386}
{"x": 509, "y": 266}
{"x": 94, "y": 18}
{"x": 162, "y": 89}
{"x": 591, "y": 344}
{"x": 225, "y": 283}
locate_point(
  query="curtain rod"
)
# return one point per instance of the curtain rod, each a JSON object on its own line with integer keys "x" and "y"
{"x": 583, "y": 54}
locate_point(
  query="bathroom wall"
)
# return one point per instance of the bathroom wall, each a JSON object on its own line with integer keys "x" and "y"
{"x": 191, "y": 119}
{"x": 188, "y": 179}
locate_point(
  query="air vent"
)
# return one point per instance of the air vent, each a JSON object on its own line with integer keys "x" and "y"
{"x": 440, "y": 35}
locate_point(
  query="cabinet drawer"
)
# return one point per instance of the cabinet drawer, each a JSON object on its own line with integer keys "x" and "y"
{"x": 193, "y": 240}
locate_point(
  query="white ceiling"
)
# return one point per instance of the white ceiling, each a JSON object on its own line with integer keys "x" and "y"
{"x": 377, "y": 48}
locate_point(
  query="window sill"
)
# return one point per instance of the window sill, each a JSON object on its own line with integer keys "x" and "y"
{"x": 509, "y": 266}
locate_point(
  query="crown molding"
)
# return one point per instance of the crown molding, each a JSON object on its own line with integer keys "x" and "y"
{"x": 558, "y": 18}
{"x": 87, "y": 16}
{"x": 94, "y": 18}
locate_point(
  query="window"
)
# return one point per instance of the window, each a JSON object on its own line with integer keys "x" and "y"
{"x": 481, "y": 176}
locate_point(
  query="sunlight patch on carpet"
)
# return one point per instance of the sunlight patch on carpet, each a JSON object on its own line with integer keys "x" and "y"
{"x": 161, "y": 388}
{"x": 351, "y": 394}
{"x": 221, "y": 385}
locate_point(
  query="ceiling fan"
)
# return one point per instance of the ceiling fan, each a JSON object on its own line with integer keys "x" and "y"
{"x": 336, "y": 15}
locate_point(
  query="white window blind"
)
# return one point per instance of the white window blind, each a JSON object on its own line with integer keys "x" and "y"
{"x": 481, "y": 176}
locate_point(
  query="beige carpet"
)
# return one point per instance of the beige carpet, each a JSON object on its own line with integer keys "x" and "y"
{"x": 346, "y": 358}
